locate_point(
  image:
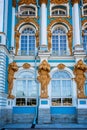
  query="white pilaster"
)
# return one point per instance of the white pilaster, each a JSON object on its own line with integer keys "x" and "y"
{"x": 76, "y": 24}
{"x": 6, "y": 17}
{"x": 1, "y": 15}
{"x": 43, "y": 24}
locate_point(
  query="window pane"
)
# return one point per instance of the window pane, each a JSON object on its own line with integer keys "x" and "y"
{"x": 31, "y": 102}
{"x": 56, "y": 101}
{"x": 20, "y": 101}
{"x": 67, "y": 101}
{"x": 56, "y": 90}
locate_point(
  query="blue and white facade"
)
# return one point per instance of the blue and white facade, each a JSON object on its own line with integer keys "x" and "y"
{"x": 30, "y": 32}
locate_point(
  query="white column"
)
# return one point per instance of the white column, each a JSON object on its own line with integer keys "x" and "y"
{"x": 43, "y": 24}
{"x": 1, "y": 15}
{"x": 13, "y": 26}
{"x": 76, "y": 24}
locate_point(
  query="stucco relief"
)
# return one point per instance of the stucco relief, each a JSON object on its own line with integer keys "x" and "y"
{"x": 17, "y": 37}
{"x": 59, "y": 1}
{"x": 26, "y": 66}
{"x": 12, "y": 68}
{"x": 69, "y": 34}
{"x": 26, "y": 2}
{"x": 44, "y": 78}
{"x": 49, "y": 39}
{"x": 79, "y": 69}
{"x": 61, "y": 66}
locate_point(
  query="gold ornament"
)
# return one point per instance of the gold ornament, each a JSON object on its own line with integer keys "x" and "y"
{"x": 61, "y": 66}
{"x": 12, "y": 68}
{"x": 27, "y": 2}
{"x": 17, "y": 37}
{"x": 44, "y": 78}
{"x": 70, "y": 35}
{"x": 43, "y": 1}
{"x": 26, "y": 66}
{"x": 59, "y": 1}
{"x": 75, "y": 1}
{"x": 79, "y": 69}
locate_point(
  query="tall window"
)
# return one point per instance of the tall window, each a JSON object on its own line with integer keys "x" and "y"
{"x": 59, "y": 11}
{"x": 59, "y": 41}
{"x": 26, "y": 89}
{"x": 61, "y": 89}
{"x": 85, "y": 40}
{"x": 28, "y": 41}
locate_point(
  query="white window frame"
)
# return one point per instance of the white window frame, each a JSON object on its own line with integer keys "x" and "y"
{"x": 19, "y": 14}
{"x": 83, "y": 10}
{"x": 67, "y": 10}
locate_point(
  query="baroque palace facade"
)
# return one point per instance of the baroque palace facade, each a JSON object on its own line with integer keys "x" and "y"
{"x": 43, "y": 61}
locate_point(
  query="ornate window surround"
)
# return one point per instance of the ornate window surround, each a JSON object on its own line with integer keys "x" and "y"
{"x": 85, "y": 4}
{"x": 67, "y": 9}
{"x": 31, "y": 5}
{"x": 69, "y": 33}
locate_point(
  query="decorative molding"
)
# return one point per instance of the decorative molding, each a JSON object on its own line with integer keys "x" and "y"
{"x": 49, "y": 39}
{"x": 26, "y": 20}
{"x": 43, "y": 1}
{"x": 37, "y": 38}
{"x": 14, "y": 3}
{"x": 75, "y": 1}
{"x": 70, "y": 36}
{"x": 12, "y": 68}
{"x": 84, "y": 1}
{"x": 79, "y": 69}
{"x": 59, "y": 1}
{"x": 61, "y": 66}
{"x": 27, "y": 2}
{"x": 57, "y": 21}
{"x": 26, "y": 66}
{"x": 17, "y": 38}
{"x": 44, "y": 78}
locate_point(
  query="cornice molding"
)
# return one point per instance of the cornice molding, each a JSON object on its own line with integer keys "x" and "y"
{"x": 43, "y": 1}
{"x": 26, "y": 2}
{"x": 75, "y": 1}
{"x": 59, "y": 1}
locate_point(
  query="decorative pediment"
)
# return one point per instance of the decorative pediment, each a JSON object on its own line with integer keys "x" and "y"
{"x": 26, "y": 2}
{"x": 58, "y": 1}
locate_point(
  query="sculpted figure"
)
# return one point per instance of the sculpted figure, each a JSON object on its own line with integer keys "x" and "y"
{"x": 12, "y": 68}
{"x": 80, "y": 78}
{"x": 44, "y": 78}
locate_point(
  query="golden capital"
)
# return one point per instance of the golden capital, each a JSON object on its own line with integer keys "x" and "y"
{"x": 43, "y": 1}
{"x": 26, "y": 2}
{"x": 75, "y": 1}
{"x": 58, "y": 1}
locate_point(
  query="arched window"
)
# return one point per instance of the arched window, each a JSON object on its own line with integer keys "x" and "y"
{"x": 59, "y": 41}
{"x": 85, "y": 40}
{"x": 26, "y": 89}
{"x": 59, "y": 10}
{"x": 28, "y": 41}
{"x": 61, "y": 90}
{"x": 85, "y": 10}
{"x": 27, "y": 10}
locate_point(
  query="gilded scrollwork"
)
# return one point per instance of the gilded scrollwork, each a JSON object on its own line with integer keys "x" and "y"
{"x": 69, "y": 35}
{"x": 75, "y": 1}
{"x": 44, "y": 78}
{"x": 49, "y": 39}
{"x": 37, "y": 38}
{"x": 61, "y": 66}
{"x": 26, "y": 66}
{"x": 12, "y": 68}
{"x": 26, "y": 2}
{"x": 43, "y": 1}
{"x": 17, "y": 37}
{"x": 59, "y": 1}
{"x": 79, "y": 69}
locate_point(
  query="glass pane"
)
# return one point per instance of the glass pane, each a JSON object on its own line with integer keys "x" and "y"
{"x": 21, "y": 88}
{"x": 31, "y": 102}
{"x": 20, "y": 101}
{"x": 66, "y": 88}
{"x": 56, "y": 90}
{"x": 32, "y": 88}
{"x": 86, "y": 89}
{"x": 67, "y": 101}
{"x": 56, "y": 101}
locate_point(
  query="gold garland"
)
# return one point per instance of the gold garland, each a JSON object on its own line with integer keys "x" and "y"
{"x": 26, "y": 2}
{"x": 59, "y": 1}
